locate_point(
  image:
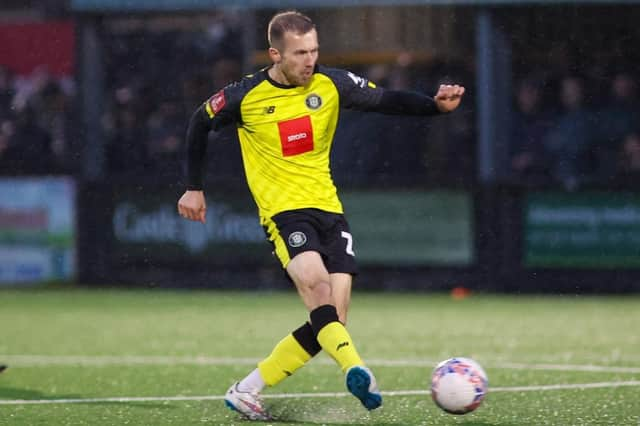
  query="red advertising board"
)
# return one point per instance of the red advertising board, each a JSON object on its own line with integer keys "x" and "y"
{"x": 25, "y": 46}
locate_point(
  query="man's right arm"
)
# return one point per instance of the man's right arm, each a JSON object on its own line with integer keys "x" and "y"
{"x": 215, "y": 113}
{"x": 197, "y": 136}
{"x": 192, "y": 204}
{"x": 218, "y": 111}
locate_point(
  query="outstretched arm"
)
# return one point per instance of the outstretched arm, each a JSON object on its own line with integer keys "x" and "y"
{"x": 412, "y": 103}
{"x": 360, "y": 94}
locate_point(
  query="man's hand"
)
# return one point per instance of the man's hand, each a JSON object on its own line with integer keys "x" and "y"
{"x": 448, "y": 97}
{"x": 192, "y": 206}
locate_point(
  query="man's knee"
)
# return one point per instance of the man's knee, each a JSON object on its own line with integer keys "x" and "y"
{"x": 314, "y": 284}
{"x": 308, "y": 271}
{"x": 311, "y": 278}
{"x": 314, "y": 288}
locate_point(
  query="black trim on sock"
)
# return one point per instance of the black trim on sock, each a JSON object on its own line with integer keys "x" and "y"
{"x": 307, "y": 339}
{"x": 321, "y": 316}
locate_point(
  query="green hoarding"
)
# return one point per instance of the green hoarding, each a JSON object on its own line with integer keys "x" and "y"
{"x": 433, "y": 228}
{"x": 149, "y": 228}
{"x": 388, "y": 228}
{"x": 585, "y": 230}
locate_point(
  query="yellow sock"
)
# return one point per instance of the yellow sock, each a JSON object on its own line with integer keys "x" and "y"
{"x": 287, "y": 356}
{"x": 336, "y": 341}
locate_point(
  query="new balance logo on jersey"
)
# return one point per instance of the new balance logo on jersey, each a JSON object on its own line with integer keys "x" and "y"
{"x": 296, "y": 136}
{"x": 270, "y": 109}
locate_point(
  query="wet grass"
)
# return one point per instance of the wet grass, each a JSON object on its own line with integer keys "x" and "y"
{"x": 82, "y": 348}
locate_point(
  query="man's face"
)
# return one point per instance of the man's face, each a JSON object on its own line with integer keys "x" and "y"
{"x": 298, "y": 57}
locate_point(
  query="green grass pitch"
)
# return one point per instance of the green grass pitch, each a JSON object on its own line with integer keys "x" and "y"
{"x": 155, "y": 357}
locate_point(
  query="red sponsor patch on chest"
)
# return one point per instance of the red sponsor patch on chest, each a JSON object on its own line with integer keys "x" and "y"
{"x": 296, "y": 136}
{"x": 217, "y": 102}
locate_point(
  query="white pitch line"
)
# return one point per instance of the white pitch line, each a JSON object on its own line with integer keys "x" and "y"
{"x": 107, "y": 360}
{"x": 568, "y": 367}
{"x": 513, "y": 366}
{"x": 311, "y": 395}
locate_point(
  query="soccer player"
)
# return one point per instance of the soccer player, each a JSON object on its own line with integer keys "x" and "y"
{"x": 286, "y": 117}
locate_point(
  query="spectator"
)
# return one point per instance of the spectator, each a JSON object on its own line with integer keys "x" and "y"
{"x": 165, "y": 131}
{"x": 6, "y": 93}
{"x": 55, "y": 117}
{"x": 29, "y": 147}
{"x": 570, "y": 138}
{"x": 225, "y": 71}
{"x": 620, "y": 115}
{"x": 7, "y": 129}
{"x": 616, "y": 121}
{"x": 448, "y": 148}
{"x": 628, "y": 172}
{"x": 400, "y": 75}
{"x": 126, "y": 149}
{"x": 529, "y": 159}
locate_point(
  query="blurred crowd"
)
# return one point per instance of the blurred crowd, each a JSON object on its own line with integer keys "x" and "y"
{"x": 379, "y": 149}
{"x": 37, "y": 130}
{"x": 565, "y": 130}
{"x": 155, "y": 81}
{"x": 148, "y": 111}
{"x": 573, "y": 131}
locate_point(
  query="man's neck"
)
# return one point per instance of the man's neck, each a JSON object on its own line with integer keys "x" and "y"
{"x": 278, "y": 76}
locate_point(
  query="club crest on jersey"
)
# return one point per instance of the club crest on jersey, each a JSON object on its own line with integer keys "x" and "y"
{"x": 297, "y": 239}
{"x": 313, "y": 101}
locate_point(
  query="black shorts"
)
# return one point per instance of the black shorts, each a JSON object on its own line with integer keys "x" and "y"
{"x": 295, "y": 231}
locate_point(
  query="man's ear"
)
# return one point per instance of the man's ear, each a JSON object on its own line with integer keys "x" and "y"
{"x": 275, "y": 56}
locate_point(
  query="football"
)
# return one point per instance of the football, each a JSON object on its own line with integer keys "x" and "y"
{"x": 458, "y": 385}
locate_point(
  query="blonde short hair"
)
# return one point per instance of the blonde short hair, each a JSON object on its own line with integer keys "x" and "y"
{"x": 287, "y": 21}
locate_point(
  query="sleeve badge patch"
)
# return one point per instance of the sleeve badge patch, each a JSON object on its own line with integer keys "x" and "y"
{"x": 216, "y": 103}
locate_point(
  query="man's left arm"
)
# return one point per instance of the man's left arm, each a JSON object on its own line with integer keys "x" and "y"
{"x": 359, "y": 93}
{"x": 411, "y": 103}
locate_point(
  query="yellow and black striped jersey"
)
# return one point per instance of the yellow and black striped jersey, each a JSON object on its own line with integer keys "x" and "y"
{"x": 286, "y": 133}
